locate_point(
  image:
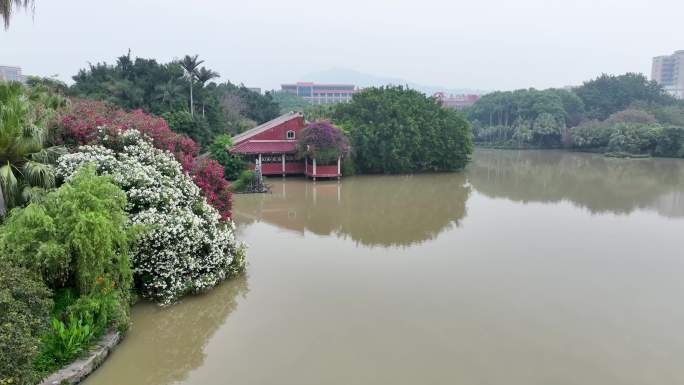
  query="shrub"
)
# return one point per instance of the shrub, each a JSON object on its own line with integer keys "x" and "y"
{"x": 24, "y": 310}
{"x": 208, "y": 176}
{"x": 186, "y": 248}
{"x": 590, "y": 134}
{"x": 670, "y": 142}
{"x": 76, "y": 233}
{"x": 93, "y": 122}
{"x": 65, "y": 342}
{"x": 633, "y": 139}
{"x": 233, "y": 164}
{"x": 246, "y": 179}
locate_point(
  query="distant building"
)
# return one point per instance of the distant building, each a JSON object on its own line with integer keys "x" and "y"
{"x": 456, "y": 101}
{"x": 668, "y": 71}
{"x": 255, "y": 89}
{"x": 11, "y": 74}
{"x": 321, "y": 93}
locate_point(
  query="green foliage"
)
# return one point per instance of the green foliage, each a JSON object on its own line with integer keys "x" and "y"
{"x": 181, "y": 91}
{"x": 243, "y": 102}
{"x": 246, "y": 179}
{"x": 316, "y": 112}
{"x": 23, "y": 131}
{"x": 506, "y": 108}
{"x": 289, "y": 102}
{"x": 397, "y": 130}
{"x": 233, "y": 164}
{"x": 24, "y": 312}
{"x": 635, "y": 139}
{"x": 75, "y": 234}
{"x": 197, "y": 127}
{"x": 65, "y": 342}
{"x": 609, "y": 94}
{"x": 670, "y": 142}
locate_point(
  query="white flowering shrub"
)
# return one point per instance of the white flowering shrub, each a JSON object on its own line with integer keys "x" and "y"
{"x": 184, "y": 248}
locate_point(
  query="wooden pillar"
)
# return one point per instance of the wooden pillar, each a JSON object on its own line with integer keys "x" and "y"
{"x": 314, "y": 168}
{"x": 339, "y": 168}
{"x": 306, "y": 166}
{"x": 283, "y": 164}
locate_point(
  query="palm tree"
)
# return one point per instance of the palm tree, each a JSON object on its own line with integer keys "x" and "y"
{"x": 7, "y": 8}
{"x": 203, "y": 76}
{"x": 168, "y": 92}
{"x": 190, "y": 64}
{"x": 24, "y": 161}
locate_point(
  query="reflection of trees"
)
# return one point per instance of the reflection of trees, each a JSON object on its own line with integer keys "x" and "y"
{"x": 593, "y": 181}
{"x": 165, "y": 344}
{"x": 372, "y": 210}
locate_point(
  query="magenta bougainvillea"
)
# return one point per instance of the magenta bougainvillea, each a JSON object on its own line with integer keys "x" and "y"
{"x": 323, "y": 141}
{"x": 82, "y": 122}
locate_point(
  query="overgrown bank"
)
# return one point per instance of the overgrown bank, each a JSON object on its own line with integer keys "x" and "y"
{"x": 100, "y": 206}
{"x": 626, "y": 116}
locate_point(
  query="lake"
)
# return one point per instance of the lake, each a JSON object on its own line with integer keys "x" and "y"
{"x": 529, "y": 268}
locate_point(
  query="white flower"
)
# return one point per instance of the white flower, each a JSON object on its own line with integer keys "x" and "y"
{"x": 185, "y": 248}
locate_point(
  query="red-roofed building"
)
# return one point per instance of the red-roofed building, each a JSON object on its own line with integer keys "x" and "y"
{"x": 273, "y": 147}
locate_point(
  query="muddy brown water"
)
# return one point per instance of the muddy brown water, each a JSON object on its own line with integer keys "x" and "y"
{"x": 529, "y": 268}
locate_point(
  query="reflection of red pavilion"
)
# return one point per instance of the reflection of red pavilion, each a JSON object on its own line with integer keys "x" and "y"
{"x": 273, "y": 145}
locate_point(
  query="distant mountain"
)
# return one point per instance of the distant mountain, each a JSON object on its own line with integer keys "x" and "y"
{"x": 360, "y": 79}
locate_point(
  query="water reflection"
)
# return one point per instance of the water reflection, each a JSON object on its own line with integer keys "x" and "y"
{"x": 595, "y": 182}
{"x": 372, "y": 210}
{"x": 165, "y": 344}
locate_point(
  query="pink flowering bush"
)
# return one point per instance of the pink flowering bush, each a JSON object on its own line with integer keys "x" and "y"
{"x": 208, "y": 176}
{"x": 323, "y": 141}
{"x": 87, "y": 121}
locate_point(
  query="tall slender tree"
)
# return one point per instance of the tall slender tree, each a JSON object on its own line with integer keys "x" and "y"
{"x": 7, "y": 8}
{"x": 190, "y": 65}
{"x": 203, "y": 76}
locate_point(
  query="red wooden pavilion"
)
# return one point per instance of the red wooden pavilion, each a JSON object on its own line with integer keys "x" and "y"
{"x": 273, "y": 146}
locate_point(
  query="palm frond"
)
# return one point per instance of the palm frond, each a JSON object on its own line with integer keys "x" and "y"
{"x": 33, "y": 194}
{"x": 7, "y": 8}
{"x": 9, "y": 185}
{"x": 39, "y": 174}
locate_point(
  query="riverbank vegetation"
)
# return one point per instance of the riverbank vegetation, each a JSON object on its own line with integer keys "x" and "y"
{"x": 397, "y": 130}
{"x": 624, "y": 115}
{"x": 100, "y": 206}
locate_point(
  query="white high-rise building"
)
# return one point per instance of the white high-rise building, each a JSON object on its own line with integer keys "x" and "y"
{"x": 10, "y": 73}
{"x": 668, "y": 71}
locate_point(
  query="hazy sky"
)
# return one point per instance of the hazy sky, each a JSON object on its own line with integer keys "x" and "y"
{"x": 484, "y": 44}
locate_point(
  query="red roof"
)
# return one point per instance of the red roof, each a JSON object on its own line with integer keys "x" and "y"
{"x": 265, "y": 147}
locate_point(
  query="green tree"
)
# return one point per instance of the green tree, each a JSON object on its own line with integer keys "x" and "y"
{"x": 233, "y": 164}
{"x": 24, "y": 162}
{"x": 289, "y": 102}
{"x": 547, "y": 130}
{"x": 190, "y": 65}
{"x": 74, "y": 235}
{"x": 609, "y": 94}
{"x": 203, "y": 76}
{"x": 398, "y": 130}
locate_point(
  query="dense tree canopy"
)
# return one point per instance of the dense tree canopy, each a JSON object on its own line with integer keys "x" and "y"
{"x": 398, "y": 130}
{"x": 289, "y": 102}
{"x": 621, "y": 115}
{"x": 165, "y": 89}
{"x": 609, "y": 94}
